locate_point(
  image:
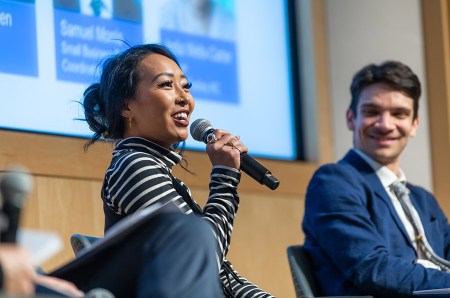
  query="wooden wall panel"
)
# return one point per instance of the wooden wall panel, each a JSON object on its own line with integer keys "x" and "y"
{"x": 64, "y": 206}
{"x": 325, "y": 140}
{"x": 436, "y": 22}
{"x": 56, "y": 156}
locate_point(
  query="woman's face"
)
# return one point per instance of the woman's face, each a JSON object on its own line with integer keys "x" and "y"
{"x": 161, "y": 110}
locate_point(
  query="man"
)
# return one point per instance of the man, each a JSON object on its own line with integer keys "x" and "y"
{"x": 359, "y": 236}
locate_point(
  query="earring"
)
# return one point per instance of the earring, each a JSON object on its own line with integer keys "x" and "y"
{"x": 130, "y": 122}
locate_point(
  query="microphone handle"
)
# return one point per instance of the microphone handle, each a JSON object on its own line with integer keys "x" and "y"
{"x": 12, "y": 215}
{"x": 250, "y": 166}
{"x": 258, "y": 172}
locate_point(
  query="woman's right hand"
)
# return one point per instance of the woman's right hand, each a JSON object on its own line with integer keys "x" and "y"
{"x": 226, "y": 150}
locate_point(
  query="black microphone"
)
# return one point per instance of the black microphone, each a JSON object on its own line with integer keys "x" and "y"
{"x": 202, "y": 131}
{"x": 15, "y": 186}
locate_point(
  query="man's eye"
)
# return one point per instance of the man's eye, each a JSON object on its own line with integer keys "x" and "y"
{"x": 187, "y": 85}
{"x": 401, "y": 114}
{"x": 369, "y": 113}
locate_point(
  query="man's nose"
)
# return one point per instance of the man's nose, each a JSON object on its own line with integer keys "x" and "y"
{"x": 385, "y": 121}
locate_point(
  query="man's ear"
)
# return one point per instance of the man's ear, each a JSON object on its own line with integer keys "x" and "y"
{"x": 414, "y": 127}
{"x": 350, "y": 117}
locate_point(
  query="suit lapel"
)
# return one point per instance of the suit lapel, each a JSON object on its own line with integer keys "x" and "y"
{"x": 372, "y": 179}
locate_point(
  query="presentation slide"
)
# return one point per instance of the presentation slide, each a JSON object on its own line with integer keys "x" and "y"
{"x": 237, "y": 54}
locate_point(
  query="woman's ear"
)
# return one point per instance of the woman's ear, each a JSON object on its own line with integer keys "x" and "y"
{"x": 126, "y": 111}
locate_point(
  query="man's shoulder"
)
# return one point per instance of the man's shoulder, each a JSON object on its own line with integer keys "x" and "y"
{"x": 351, "y": 172}
{"x": 350, "y": 163}
{"x": 336, "y": 171}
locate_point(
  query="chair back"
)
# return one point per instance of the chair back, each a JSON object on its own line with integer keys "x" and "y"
{"x": 302, "y": 273}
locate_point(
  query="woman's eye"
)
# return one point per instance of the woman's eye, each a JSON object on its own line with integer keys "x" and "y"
{"x": 187, "y": 85}
{"x": 166, "y": 84}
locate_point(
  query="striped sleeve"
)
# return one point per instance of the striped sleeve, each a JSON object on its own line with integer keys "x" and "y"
{"x": 222, "y": 205}
{"x": 220, "y": 210}
{"x": 241, "y": 287}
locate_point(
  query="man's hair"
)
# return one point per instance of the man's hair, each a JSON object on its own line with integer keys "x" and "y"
{"x": 396, "y": 75}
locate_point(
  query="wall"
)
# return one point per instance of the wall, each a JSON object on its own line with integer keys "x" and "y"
{"x": 436, "y": 16}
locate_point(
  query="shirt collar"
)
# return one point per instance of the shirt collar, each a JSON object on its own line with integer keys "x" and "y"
{"x": 386, "y": 176}
{"x": 169, "y": 157}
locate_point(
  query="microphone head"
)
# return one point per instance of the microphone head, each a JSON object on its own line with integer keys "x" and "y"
{"x": 199, "y": 128}
{"x": 99, "y": 293}
{"x": 15, "y": 184}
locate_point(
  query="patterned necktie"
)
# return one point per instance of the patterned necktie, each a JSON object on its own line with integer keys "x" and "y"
{"x": 402, "y": 194}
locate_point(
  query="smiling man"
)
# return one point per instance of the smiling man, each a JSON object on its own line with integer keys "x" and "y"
{"x": 364, "y": 236}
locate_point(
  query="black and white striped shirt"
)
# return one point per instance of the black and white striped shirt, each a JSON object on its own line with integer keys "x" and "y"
{"x": 140, "y": 175}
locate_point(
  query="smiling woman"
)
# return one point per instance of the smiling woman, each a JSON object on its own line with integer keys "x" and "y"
{"x": 143, "y": 103}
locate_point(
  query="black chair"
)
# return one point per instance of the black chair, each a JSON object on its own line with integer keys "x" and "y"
{"x": 304, "y": 283}
{"x": 80, "y": 242}
{"x": 302, "y": 273}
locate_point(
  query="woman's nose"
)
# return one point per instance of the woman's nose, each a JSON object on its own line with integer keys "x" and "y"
{"x": 183, "y": 100}
{"x": 183, "y": 96}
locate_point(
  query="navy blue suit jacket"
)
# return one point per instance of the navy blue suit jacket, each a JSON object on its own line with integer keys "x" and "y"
{"x": 356, "y": 240}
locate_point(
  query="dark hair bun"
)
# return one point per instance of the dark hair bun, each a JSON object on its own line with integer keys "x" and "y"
{"x": 95, "y": 111}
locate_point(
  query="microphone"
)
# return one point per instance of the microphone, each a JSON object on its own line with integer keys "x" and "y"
{"x": 99, "y": 293}
{"x": 202, "y": 131}
{"x": 15, "y": 186}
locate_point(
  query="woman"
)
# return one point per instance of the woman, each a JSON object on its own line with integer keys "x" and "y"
{"x": 143, "y": 102}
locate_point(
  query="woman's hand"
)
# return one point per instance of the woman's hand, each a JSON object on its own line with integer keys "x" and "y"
{"x": 18, "y": 273}
{"x": 20, "y": 277}
{"x": 59, "y": 285}
{"x": 226, "y": 150}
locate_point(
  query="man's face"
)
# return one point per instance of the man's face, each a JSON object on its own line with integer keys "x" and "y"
{"x": 383, "y": 124}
